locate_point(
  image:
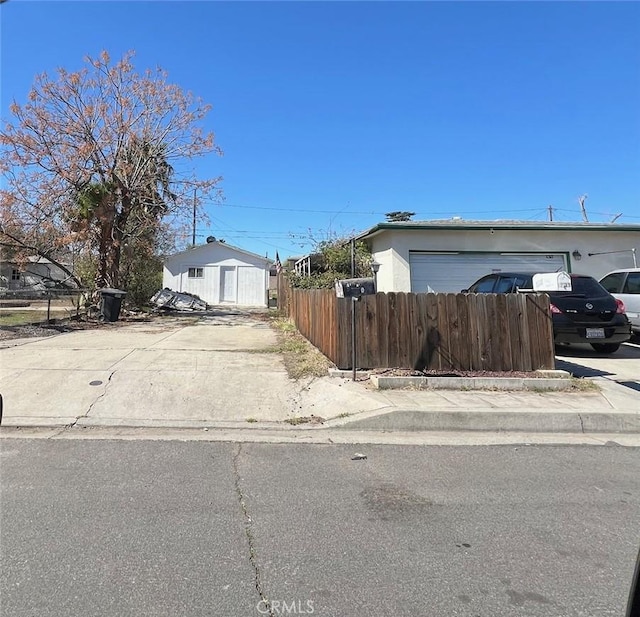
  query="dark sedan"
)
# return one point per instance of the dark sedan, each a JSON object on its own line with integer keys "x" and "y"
{"x": 586, "y": 314}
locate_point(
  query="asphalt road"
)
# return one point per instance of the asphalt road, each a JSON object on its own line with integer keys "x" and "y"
{"x": 129, "y": 528}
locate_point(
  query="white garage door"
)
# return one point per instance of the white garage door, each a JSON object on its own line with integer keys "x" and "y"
{"x": 453, "y": 272}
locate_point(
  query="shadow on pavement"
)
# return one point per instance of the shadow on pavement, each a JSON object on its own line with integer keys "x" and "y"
{"x": 627, "y": 351}
{"x": 577, "y": 361}
{"x": 579, "y": 370}
{"x": 634, "y": 385}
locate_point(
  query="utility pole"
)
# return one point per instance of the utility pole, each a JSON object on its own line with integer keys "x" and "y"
{"x": 193, "y": 239}
{"x": 550, "y": 208}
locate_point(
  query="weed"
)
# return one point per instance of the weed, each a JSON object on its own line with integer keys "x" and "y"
{"x": 301, "y": 358}
{"x": 584, "y": 385}
{"x": 304, "y": 420}
{"x": 251, "y": 420}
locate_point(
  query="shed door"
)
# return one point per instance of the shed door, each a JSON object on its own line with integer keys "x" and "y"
{"x": 228, "y": 286}
{"x": 252, "y": 286}
{"x": 453, "y": 272}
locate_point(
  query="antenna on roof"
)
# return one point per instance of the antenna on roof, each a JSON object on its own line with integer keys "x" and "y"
{"x": 615, "y": 218}
{"x": 581, "y": 201}
{"x": 550, "y": 208}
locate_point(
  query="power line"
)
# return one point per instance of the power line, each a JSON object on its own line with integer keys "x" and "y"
{"x": 626, "y": 216}
{"x": 376, "y": 212}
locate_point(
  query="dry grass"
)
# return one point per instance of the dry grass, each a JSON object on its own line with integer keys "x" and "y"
{"x": 296, "y": 420}
{"x": 16, "y": 317}
{"x": 301, "y": 358}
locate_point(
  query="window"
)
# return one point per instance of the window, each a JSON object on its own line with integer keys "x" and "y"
{"x": 613, "y": 282}
{"x": 484, "y": 286}
{"x": 196, "y": 273}
{"x": 505, "y": 285}
{"x": 524, "y": 282}
{"x": 633, "y": 283}
{"x": 583, "y": 286}
{"x": 15, "y": 274}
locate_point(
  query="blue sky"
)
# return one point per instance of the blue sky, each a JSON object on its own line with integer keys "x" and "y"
{"x": 332, "y": 113}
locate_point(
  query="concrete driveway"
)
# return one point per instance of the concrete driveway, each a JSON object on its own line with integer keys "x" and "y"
{"x": 617, "y": 374}
{"x": 164, "y": 371}
{"x": 193, "y": 371}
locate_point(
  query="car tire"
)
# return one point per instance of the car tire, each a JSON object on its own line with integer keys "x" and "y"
{"x": 605, "y": 347}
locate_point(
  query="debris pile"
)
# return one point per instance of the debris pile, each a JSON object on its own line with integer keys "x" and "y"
{"x": 166, "y": 299}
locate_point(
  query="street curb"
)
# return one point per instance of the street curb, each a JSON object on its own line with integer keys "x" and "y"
{"x": 533, "y": 421}
{"x": 385, "y": 419}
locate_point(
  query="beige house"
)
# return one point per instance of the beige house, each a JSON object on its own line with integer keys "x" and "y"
{"x": 449, "y": 255}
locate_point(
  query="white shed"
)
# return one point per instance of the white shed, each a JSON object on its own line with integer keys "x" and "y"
{"x": 219, "y": 274}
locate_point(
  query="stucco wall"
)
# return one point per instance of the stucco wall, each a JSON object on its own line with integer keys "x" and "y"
{"x": 391, "y": 248}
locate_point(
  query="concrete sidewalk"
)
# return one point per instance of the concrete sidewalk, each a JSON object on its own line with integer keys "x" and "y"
{"x": 223, "y": 373}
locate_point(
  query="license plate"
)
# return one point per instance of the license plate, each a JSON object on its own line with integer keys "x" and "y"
{"x": 595, "y": 332}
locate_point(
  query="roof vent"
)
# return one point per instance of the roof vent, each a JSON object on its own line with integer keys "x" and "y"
{"x": 211, "y": 239}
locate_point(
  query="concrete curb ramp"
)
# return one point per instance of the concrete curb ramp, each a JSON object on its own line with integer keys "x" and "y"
{"x": 546, "y": 380}
{"x": 382, "y": 382}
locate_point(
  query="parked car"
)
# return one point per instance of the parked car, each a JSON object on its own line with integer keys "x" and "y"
{"x": 625, "y": 285}
{"x": 586, "y": 314}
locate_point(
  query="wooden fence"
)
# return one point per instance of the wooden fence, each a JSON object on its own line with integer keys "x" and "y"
{"x": 490, "y": 332}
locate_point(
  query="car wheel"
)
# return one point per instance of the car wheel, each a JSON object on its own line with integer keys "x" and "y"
{"x": 605, "y": 347}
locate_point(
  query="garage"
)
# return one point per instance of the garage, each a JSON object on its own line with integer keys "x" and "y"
{"x": 454, "y": 271}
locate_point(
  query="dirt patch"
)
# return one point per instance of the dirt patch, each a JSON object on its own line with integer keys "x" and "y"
{"x": 399, "y": 372}
{"x": 60, "y": 326}
{"x": 305, "y": 420}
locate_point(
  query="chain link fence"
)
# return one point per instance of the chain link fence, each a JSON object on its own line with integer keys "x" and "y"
{"x": 28, "y": 306}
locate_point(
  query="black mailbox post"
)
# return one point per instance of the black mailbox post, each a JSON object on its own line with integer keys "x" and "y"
{"x": 355, "y": 289}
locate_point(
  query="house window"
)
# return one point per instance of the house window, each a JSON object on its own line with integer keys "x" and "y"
{"x": 15, "y": 274}
{"x": 196, "y": 273}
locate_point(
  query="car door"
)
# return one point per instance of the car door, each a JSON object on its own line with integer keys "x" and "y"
{"x": 630, "y": 295}
{"x": 626, "y": 287}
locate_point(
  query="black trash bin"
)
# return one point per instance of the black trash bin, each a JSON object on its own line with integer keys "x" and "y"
{"x": 110, "y": 303}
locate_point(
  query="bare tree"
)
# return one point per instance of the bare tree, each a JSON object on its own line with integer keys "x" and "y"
{"x": 91, "y": 161}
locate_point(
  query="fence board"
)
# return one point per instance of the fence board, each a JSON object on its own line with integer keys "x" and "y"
{"x": 464, "y": 344}
{"x": 426, "y": 331}
{"x": 422, "y": 353}
{"x": 503, "y": 340}
{"x": 453, "y": 323}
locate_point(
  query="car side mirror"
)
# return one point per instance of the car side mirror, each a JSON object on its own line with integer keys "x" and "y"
{"x": 464, "y": 291}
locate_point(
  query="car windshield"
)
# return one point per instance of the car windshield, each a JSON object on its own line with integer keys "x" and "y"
{"x": 584, "y": 286}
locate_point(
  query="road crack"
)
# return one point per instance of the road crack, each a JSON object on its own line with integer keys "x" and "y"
{"x": 581, "y": 422}
{"x": 93, "y": 403}
{"x": 248, "y": 530}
